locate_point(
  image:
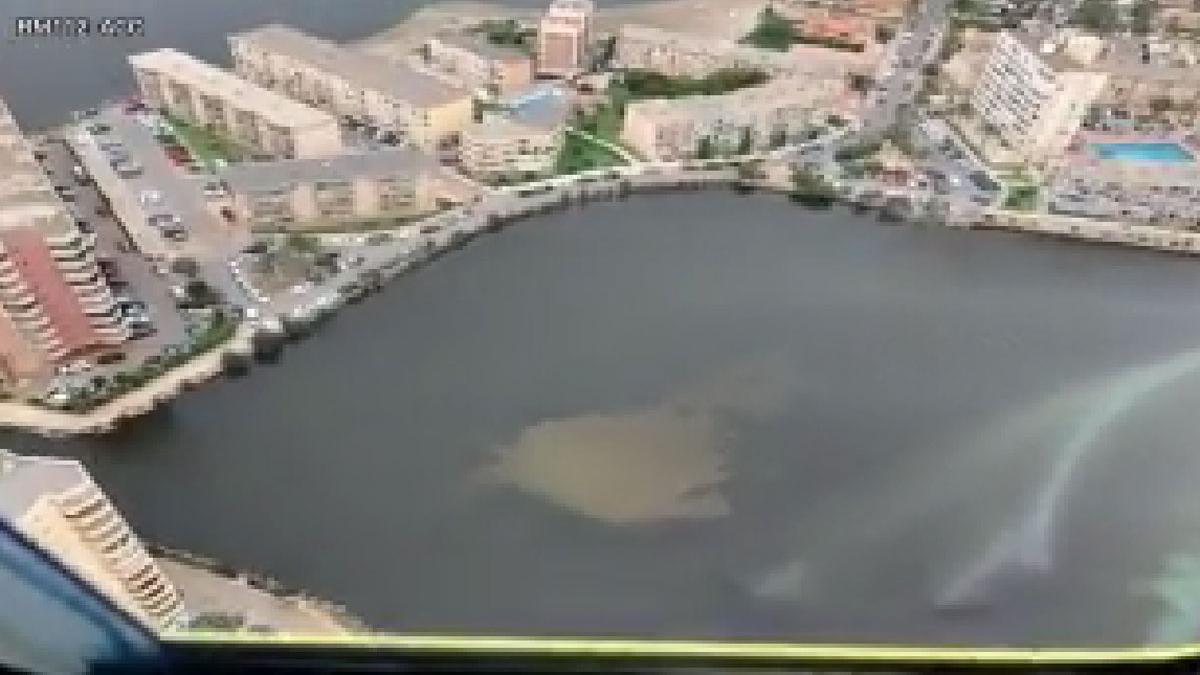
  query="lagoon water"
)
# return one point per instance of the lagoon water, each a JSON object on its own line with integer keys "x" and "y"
{"x": 715, "y": 415}
{"x": 690, "y": 415}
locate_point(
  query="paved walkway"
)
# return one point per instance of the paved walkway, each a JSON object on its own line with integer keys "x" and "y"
{"x": 608, "y": 145}
{"x": 52, "y": 422}
{"x": 205, "y": 592}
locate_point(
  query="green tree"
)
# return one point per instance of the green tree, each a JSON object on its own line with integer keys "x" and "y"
{"x": 1099, "y": 16}
{"x": 1141, "y": 16}
{"x": 704, "y": 148}
{"x": 746, "y": 142}
{"x": 772, "y": 31}
{"x": 778, "y": 138}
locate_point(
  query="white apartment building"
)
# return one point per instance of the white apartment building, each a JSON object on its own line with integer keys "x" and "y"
{"x": 55, "y": 305}
{"x": 1035, "y": 92}
{"x": 672, "y": 129}
{"x": 475, "y": 64}
{"x": 418, "y": 108}
{"x": 564, "y": 34}
{"x": 56, "y": 504}
{"x": 521, "y": 143}
{"x": 683, "y": 54}
{"x": 348, "y": 190}
{"x": 247, "y": 113}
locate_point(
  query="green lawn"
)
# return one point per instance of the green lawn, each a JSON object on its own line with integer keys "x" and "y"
{"x": 580, "y": 154}
{"x": 206, "y": 146}
{"x": 1021, "y": 198}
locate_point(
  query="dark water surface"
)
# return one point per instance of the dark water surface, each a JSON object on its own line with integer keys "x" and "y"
{"x": 44, "y": 79}
{"x": 715, "y": 415}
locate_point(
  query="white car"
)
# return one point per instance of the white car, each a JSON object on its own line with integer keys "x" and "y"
{"x": 150, "y": 198}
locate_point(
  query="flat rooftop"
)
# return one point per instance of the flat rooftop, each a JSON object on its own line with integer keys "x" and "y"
{"x": 262, "y": 176}
{"x": 480, "y": 46}
{"x": 26, "y": 195}
{"x": 368, "y": 71}
{"x": 209, "y": 79}
{"x": 25, "y": 478}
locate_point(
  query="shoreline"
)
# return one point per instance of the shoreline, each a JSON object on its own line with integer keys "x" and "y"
{"x": 216, "y": 588}
{"x": 241, "y": 348}
{"x": 717, "y": 19}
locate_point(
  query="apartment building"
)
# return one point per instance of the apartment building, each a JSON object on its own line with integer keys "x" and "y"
{"x": 417, "y": 108}
{"x": 782, "y": 110}
{"x": 249, "y": 114}
{"x": 564, "y": 33}
{"x": 55, "y": 503}
{"x": 55, "y": 305}
{"x": 520, "y": 143}
{"x": 1035, "y": 91}
{"x": 343, "y": 191}
{"x": 1167, "y": 192}
{"x": 681, "y": 54}
{"x": 475, "y": 64}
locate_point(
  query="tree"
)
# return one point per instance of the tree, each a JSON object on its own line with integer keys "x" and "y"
{"x": 305, "y": 243}
{"x": 1141, "y": 16}
{"x": 778, "y": 138}
{"x": 1161, "y": 104}
{"x": 860, "y": 83}
{"x": 746, "y": 142}
{"x": 1099, "y": 16}
{"x": 772, "y": 31}
{"x": 704, "y": 148}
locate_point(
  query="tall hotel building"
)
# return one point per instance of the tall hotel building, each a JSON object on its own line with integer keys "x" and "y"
{"x": 55, "y": 305}
{"x": 55, "y": 503}
{"x": 563, "y": 36}
{"x": 1035, "y": 91}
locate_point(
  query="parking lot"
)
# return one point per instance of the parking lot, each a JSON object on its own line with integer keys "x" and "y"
{"x": 132, "y": 277}
{"x": 163, "y": 188}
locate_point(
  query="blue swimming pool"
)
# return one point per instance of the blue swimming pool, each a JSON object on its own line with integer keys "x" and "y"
{"x": 1142, "y": 152}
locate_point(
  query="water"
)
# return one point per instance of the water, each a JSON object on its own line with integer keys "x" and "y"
{"x": 44, "y": 79}
{"x": 1170, "y": 153}
{"x": 694, "y": 415}
{"x": 712, "y": 415}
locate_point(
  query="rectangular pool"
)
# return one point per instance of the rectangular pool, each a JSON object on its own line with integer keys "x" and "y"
{"x": 1142, "y": 152}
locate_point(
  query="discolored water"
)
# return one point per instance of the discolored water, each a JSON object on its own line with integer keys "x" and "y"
{"x": 713, "y": 415}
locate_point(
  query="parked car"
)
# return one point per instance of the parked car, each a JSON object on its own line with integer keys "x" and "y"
{"x": 215, "y": 191}
{"x": 129, "y": 170}
{"x": 84, "y": 226}
{"x": 227, "y": 214}
{"x": 148, "y": 198}
{"x": 98, "y": 128}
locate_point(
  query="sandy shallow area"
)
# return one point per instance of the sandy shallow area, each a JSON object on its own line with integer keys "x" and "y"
{"x": 660, "y": 463}
{"x": 729, "y": 19}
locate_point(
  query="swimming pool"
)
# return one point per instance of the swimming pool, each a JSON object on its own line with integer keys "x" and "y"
{"x": 1142, "y": 152}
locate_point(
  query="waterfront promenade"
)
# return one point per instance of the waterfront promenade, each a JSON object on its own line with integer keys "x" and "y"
{"x": 104, "y": 417}
{"x": 495, "y": 209}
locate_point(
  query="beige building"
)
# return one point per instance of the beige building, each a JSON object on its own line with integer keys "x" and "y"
{"x": 417, "y": 108}
{"x": 564, "y": 34}
{"x": 521, "y": 143}
{"x": 248, "y": 114}
{"x": 682, "y": 54}
{"x": 55, "y": 305}
{"x": 1035, "y": 92}
{"x": 56, "y": 504}
{"x": 475, "y": 64}
{"x": 345, "y": 191}
{"x": 780, "y": 111}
